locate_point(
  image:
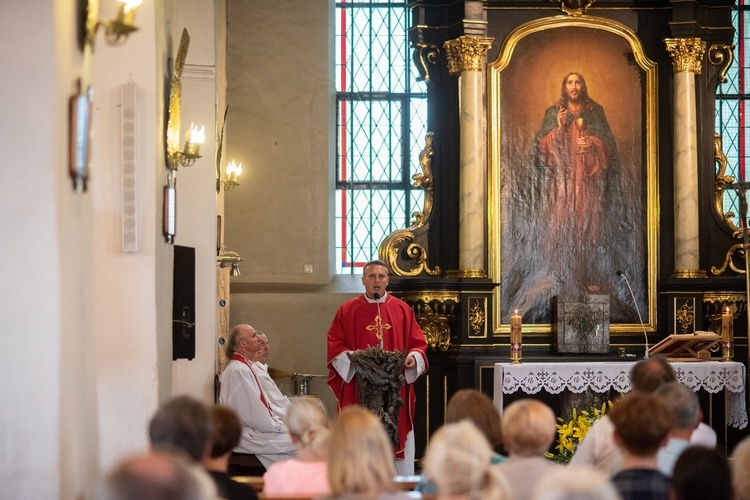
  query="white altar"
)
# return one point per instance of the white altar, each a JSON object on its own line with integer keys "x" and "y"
{"x": 711, "y": 376}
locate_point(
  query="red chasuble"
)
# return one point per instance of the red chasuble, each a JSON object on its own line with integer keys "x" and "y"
{"x": 357, "y": 326}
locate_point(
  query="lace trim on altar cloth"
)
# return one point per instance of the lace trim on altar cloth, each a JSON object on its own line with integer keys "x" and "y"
{"x": 712, "y": 377}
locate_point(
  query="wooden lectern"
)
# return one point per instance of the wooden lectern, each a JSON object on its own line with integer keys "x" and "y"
{"x": 687, "y": 347}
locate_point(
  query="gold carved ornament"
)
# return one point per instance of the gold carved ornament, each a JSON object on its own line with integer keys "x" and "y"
{"x": 721, "y": 183}
{"x": 434, "y": 311}
{"x": 719, "y": 54}
{"x": 392, "y": 245}
{"x": 467, "y": 53}
{"x": 685, "y": 316}
{"x": 687, "y": 54}
{"x": 574, "y": 8}
{"x": 427, "y": 55}
{"x": 477, "y": 319}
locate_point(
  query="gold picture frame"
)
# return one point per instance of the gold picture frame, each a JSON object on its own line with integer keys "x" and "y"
{"x": 523, "y": 82}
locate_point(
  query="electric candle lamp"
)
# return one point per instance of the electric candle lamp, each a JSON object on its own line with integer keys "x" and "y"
{"x": 233, "y": 171}
{"x": 126, "y": 13}
{"x": 516, "y": 338}
{"x": 196, "y": 138}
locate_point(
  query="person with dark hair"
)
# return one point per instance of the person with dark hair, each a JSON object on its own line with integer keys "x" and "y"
{"x": 598, "y": 449}
{"x": 263, "y": 432}
{"x": 377, "y": 323}
{"x": 642, "y": 423}
{"x": 227, "y": 429}
{"x": 701, "y": 473}
{"x": 477, "y": 407}
{"x": 181, "y": 425}
{"x": 156, "y": 476}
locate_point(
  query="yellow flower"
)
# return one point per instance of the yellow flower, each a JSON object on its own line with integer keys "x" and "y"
{"x": 571, "y": 432}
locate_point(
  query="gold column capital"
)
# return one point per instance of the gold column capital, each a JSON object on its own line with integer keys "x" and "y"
{"x": 687, "y": 54}
{"x": 467, "y": 53}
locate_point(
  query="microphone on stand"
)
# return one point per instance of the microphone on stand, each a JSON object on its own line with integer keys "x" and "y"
{"x": 380, "y": 322}
{"x": 637, "y": 309}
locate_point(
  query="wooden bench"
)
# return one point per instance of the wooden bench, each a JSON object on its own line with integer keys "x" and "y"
{"x": 245, "y": 464}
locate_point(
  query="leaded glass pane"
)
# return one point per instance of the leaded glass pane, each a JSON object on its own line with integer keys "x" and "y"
{"x": 380, "y": 127}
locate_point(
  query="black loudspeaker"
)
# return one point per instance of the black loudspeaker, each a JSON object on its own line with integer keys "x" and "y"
{"x": 183, "y": 303}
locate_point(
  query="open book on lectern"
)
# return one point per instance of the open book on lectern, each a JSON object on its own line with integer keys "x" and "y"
{"x": 687, "y": 347}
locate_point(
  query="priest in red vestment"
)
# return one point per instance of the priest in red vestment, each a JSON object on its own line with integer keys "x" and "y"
{"x": 378, "y": 319}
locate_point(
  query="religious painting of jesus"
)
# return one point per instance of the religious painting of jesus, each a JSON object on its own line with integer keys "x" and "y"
{"x": 572, "y": 170}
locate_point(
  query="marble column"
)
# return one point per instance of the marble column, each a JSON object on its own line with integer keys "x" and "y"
{"x": 687, "y": 55}
{"x": 466, "y": 57}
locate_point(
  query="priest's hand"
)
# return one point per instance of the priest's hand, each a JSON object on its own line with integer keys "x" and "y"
{"x": 410, "y": 362}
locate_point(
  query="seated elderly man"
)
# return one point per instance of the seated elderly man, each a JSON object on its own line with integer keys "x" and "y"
{"x": 278, "y": 401}
{"x": 528, "y": 428}
{"x": 263, "y": 431}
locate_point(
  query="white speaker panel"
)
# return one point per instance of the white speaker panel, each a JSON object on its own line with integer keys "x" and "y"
{"x": 128, "y": 149}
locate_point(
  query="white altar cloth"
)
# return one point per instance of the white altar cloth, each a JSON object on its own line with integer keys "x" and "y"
{"x": 712, "y": 376}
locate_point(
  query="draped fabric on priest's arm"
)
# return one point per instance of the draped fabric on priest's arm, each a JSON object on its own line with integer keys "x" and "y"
{"x": 356, "y": 326}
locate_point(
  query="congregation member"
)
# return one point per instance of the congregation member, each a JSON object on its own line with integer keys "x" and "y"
{"x": 307, "y": 474}
{"x": 156, "y": 476}
{"x": 226, "y": 434}
{"x": 577, "y": 483}
{"x": 377, "y": 319}
{"x": 529, "y": 428}
{"x": 360, "y": 457}
{"x": 686, "y": 409}
{"x": 181, "y": 425}
{"x": 598, "y": 448}
{"x": 263, "y": 432}
{"x": 458, "y": 461}
{"x": 741, "y": 470}
{"x": 700, "y": 474}
{"x": 476, "y": 407}
{"x": 278, "y": 401}
{"x": 642, "y": 423}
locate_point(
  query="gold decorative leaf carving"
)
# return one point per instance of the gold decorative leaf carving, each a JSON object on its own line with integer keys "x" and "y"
{"x": 687, "y": 54}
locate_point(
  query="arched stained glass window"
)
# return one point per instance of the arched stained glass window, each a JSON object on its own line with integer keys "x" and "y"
{"x": 732, "y": 99}
{"x": 381, "y": 125}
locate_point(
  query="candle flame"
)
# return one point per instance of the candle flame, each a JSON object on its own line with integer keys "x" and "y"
{"x": 131, "y": 4}
{"x": 233, "y": 168}
{"x": 516, "y": 312}
{"x": 197, "y": 135}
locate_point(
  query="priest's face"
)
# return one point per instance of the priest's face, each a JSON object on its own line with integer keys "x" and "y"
{"x": 375, "y": 280}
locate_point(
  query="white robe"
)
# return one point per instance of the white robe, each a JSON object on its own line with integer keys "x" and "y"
{"x": 263, "y": 433}
{"x": 279, "y": 403}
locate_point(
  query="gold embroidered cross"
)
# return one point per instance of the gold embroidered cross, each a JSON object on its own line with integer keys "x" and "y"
{"x": 378, "y": 327}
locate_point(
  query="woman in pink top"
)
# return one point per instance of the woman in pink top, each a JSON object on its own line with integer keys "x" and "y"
{"x": 305, "y": 475}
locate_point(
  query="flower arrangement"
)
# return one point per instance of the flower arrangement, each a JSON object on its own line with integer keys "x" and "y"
{"x": 571, "y": 433}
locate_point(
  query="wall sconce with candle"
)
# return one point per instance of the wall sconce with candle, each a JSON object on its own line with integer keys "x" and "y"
{"x": 117, "y": 30}
{"x": 233, "y": 173}
{"x": 176, "y": 157}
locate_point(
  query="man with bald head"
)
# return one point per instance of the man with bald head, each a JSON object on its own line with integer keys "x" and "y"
{"x": 264, "y": 433}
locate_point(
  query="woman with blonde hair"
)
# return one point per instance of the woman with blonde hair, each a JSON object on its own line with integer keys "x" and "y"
{"x": 306, "y": 474}
{"x": 360, "y": 457}
{"x": 458, "y": 462}
{"x": 529, "y": 428}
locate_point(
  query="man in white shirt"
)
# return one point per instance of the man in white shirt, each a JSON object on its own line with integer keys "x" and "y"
{"x": 279, "y": 402}
{"x": 263, "y": 432}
